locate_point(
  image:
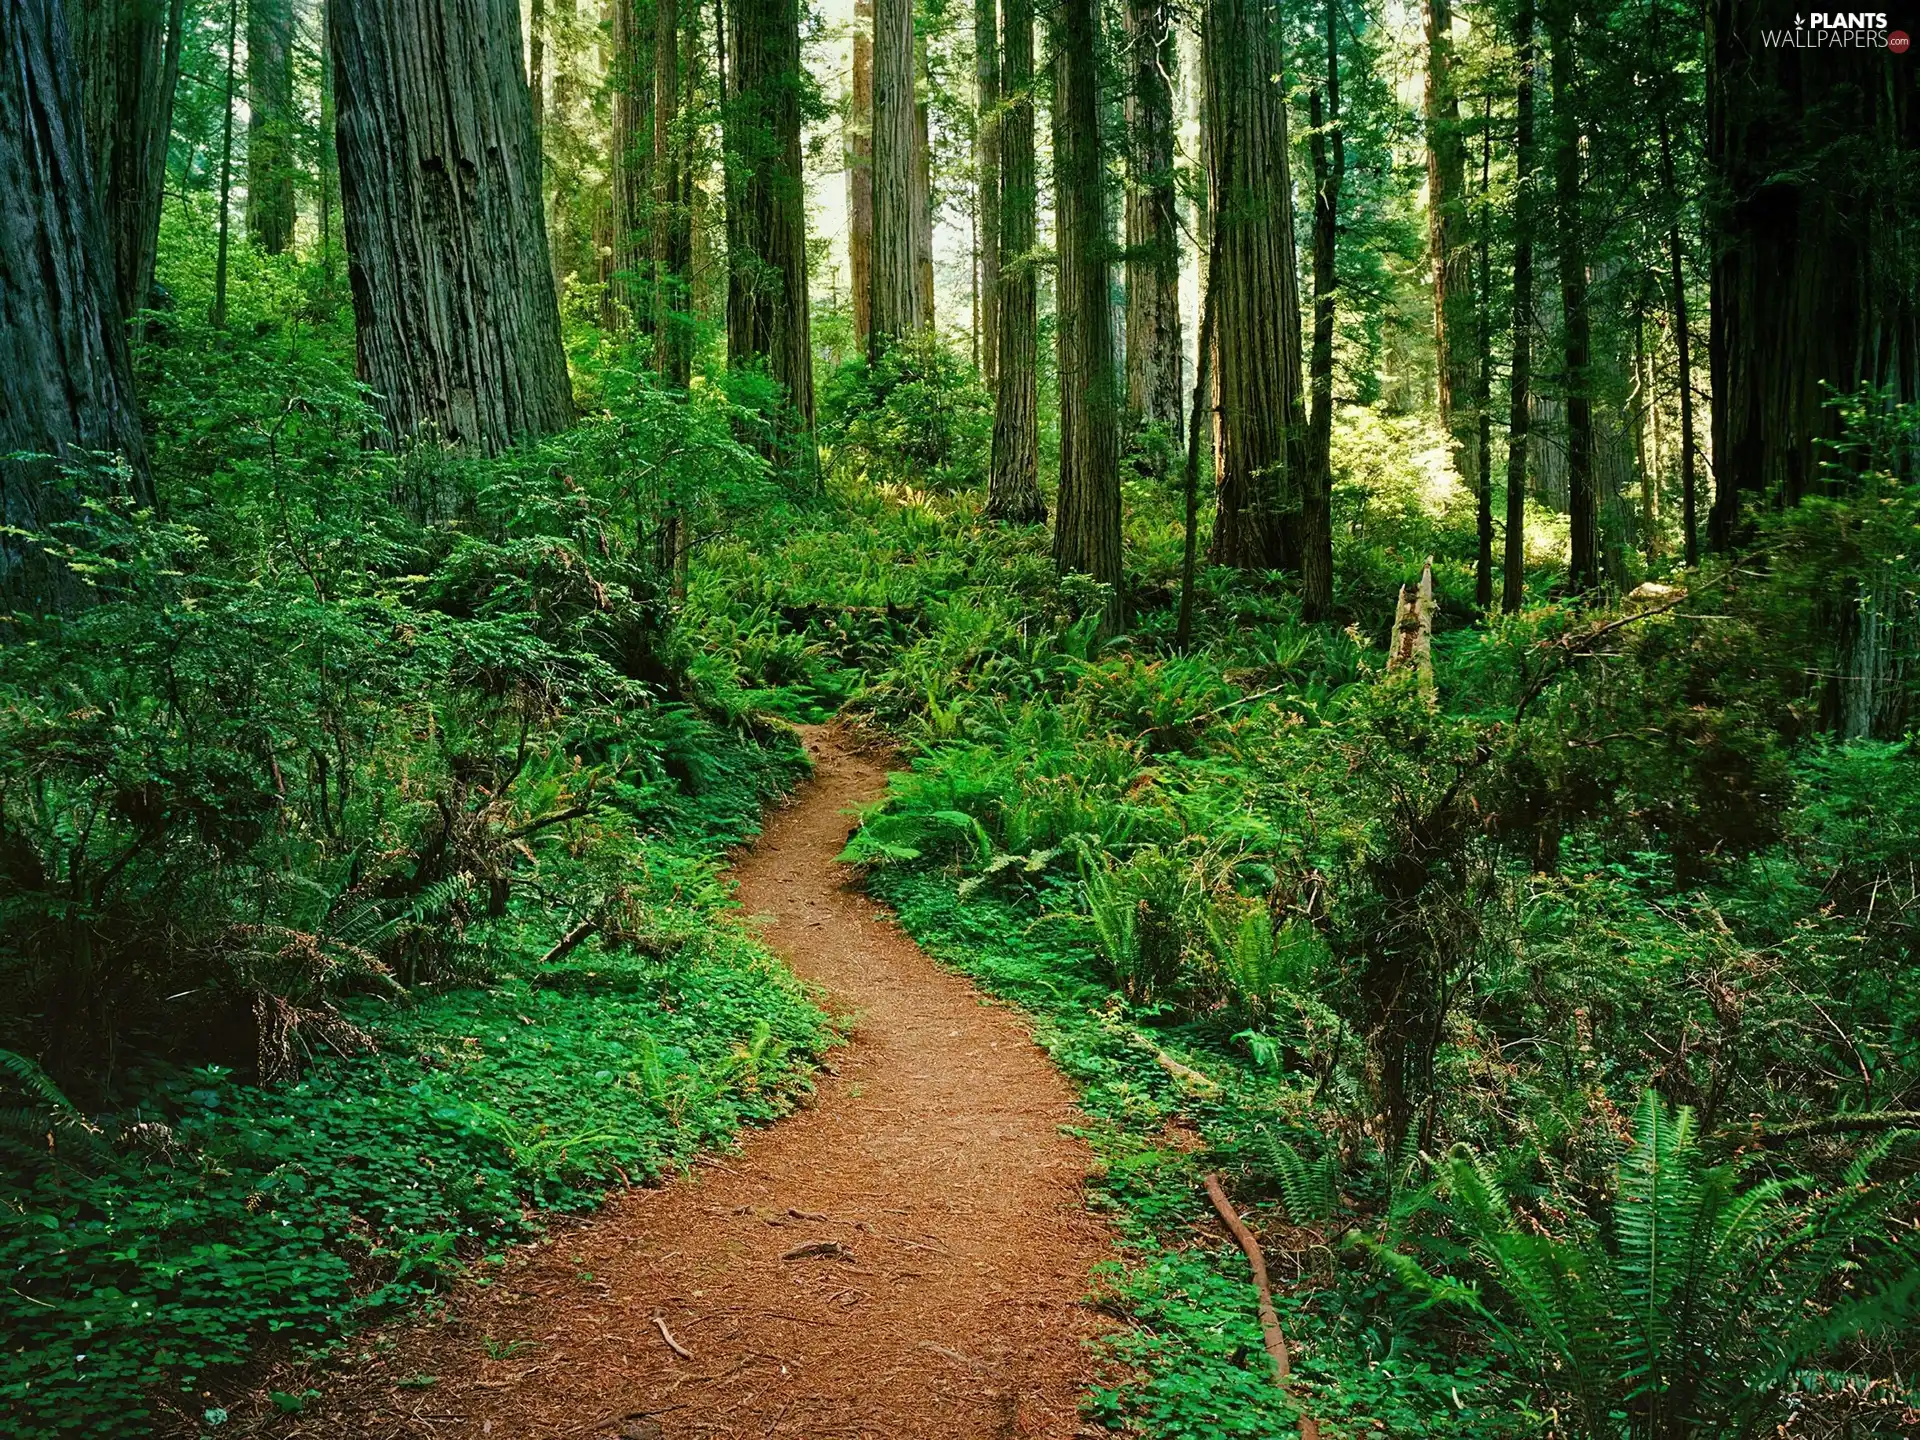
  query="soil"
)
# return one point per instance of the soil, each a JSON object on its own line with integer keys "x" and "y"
{"x": 908, "y": 1256}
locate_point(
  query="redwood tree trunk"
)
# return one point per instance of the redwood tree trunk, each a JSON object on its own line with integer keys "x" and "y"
{"x": 1583, "y": 506}
{"x": 860, "y": 174}
{"x": 1013, "y": 485}
{"x": 1513, "y": 578}
{"x": 767, "y": 199}
{"x": 632, "y": 178}
{"x": 270, "y": 162}
{"x": 898, "y": 309}
{"x": 923, "y": 211}
{"x": 1087, "y": 528}
{"x": 128, "y": 58}
{"x": 1683, "y": 354}
{"x": 1453, "y": 339}
{"x": 1483, "y": 391}
{"x": 453, "y": 295}
{"x": 1153, "y": 234}
{"x": 986, "y": 72}
{"x": 672, "y": 208}
{"x": 66, "y": 385}
{"x": 1329, "y": 152}
{"x": 1260, "y": 438}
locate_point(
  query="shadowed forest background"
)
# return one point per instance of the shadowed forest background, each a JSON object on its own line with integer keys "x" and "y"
{"x": 1388, "y": 537}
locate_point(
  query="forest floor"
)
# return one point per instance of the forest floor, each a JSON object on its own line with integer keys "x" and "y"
{"x": 909, "y": 1256}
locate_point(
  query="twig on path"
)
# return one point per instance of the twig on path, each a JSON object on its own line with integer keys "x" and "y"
{"x": 819, "y": 1250}
{"x": 672, "y": 1344}
{"x": 953, "y": 1355}
{"x": 1270, "y": 1332}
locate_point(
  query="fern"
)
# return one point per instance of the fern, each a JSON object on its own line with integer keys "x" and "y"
{"x": 1686, "y": 1315}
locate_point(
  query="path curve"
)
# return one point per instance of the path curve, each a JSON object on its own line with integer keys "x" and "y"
{"x": 933, "y": 1156}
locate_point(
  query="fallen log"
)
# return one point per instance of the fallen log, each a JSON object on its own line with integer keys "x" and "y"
{"x": 1270, "y": 1331}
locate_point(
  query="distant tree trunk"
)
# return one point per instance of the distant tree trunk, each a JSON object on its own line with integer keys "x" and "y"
{"x": 1447, "y": 226}
{"x": 1087, "y": 528}
{"x": 860, "y": 174}
{"x": 672, "y": 207}
{"x": 1154, "y": 360}
{"x": 1013, "y": 485}
{"x": 1519, "y": 412}
{"x": 66, "y": 384}
{"x": 898, "y": 308}
{"x": 1260, "y": 444}
{"x": 1196, "y": 430}
{"x": 329, "y": 153}
{"x": 923, "y": 210}
{"x": 127, "y": 53}
{"x": 986, "y": 70}
{"x": 632, "y": 178}
{"x": 458, "y": 327}
{"x": 1329, "y": 152}
{"x": 270, "y": 164}
{"x": 1583, "y": 505}
{"x": 1683, "y": 351}
{"x": 537, "y": 68}
{"x": 767, "y": 199}
{"x": 219, "y": 315}
{"x": 1483, "y": 392}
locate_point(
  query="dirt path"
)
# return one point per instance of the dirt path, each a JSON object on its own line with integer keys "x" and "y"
{"x": 933, "y": 1159}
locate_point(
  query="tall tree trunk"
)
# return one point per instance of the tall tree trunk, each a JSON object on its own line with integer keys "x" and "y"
{"x": 66, "y": 384}
{"x": 459, "y": 330}
{"x": 672, "y": 207}
{"x": 860, "y": 174}
{"x": 1086, "y": 534}
{"x": 128, "y": 57}
{"x": 219, "y": 315}
{"x": 898, "y": 304}
{"x": 270, "y": 162}
{"x": 1683, "y": 352}
{"x": 632, "y": 178}
{"x": 1447, "y": 237}
{"x": 1583, "y": 502}
{"x": 1013, "y": 484}
{"x": 1196, "y": 430}
{"x": 767, "y": 199}
{"x": 1513, "y": 580}
{"x": 986, "y": 71}
{"x": 329, "y": 153}
{"x": 1644, "y": 461}
{"x": 1260, "y": 442}
{"x": 1329, "y": 152}
{"x": 1154, "y": 359}
{"x": 923, "y": 209}
{"x": 1483, "y": 392}
{"x": 537, "y": 68}
{"x": 557, "y": 131}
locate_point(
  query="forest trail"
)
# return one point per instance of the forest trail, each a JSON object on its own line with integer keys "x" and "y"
{"x": 905, "y": 1259}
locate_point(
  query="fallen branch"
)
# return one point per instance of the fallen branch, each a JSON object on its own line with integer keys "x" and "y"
{"x": 672, "y": 1344}
{"x": 1196, "y": 1082}
{"x": 569, "y": 941}
{"x": 1270, "y": 1332}
{"x": 1840, "y": 1125}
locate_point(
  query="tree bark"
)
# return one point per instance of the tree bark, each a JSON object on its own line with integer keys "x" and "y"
{"x": 1513, "y": 580}
{"x": 1683, "y": 352}
{"x": 1087, "y": 528}
{"x": 632, "y": 178}
{"x": 1329, "y": 153}
{"x": 219, "y": 315}
{"x": 1483, "y": 391}
{"x": 986, "y": 72}
{"x": 1013, "y": 484}
{"x": 897, "y": 308}
{"x": 923, "y": 210}
{"x": 1154, "y": 360}
{"x": 270, "y": 160}
{"x": 66, "y": 383}
{"x": 1260, "y": 440}
{"x": 860, "y": 174}
{"x": 767, "y": 200}
{"x": 672, "y": 208}
{"x": 128, "y": 57}
{"x": 1583, "y": 507}
{"x": 1447, "y": 239}
{"x": 459, "y": 330}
